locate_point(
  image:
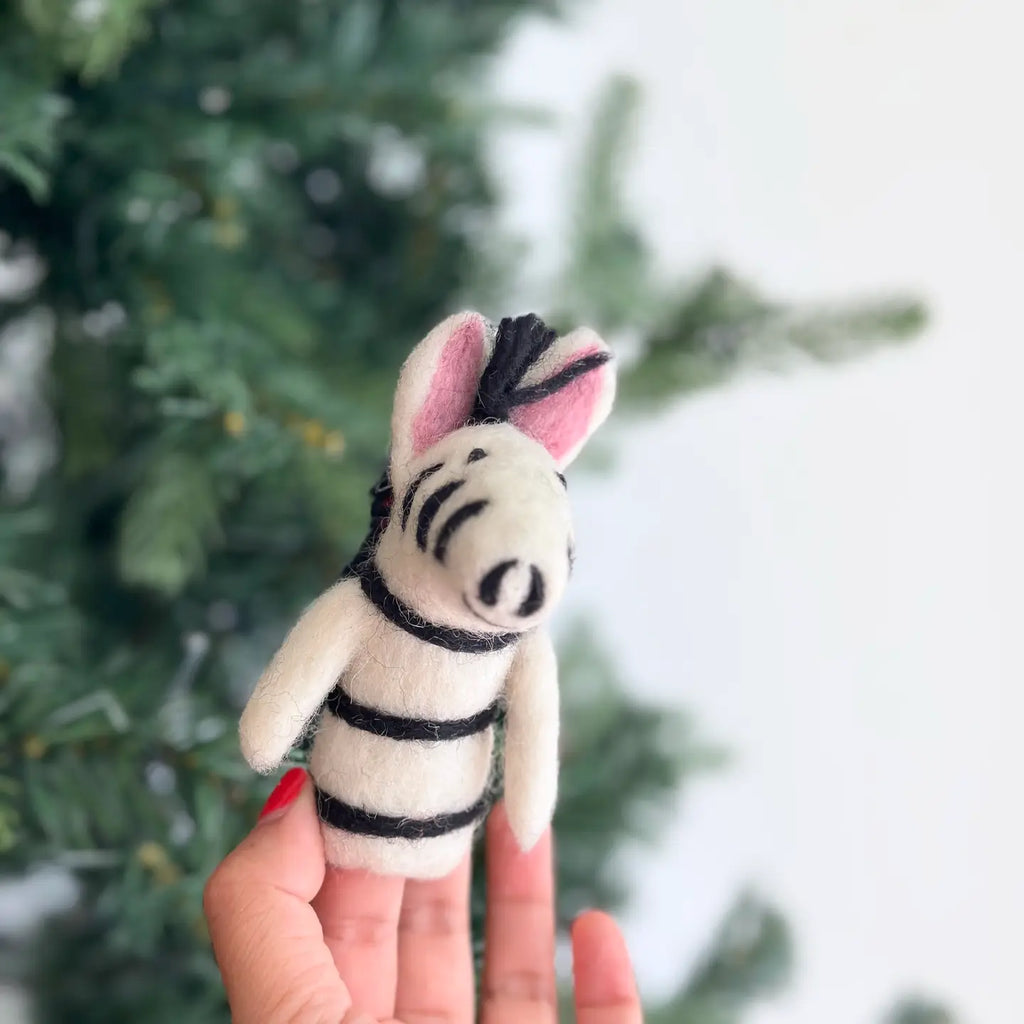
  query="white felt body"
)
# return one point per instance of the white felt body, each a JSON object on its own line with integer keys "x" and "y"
{"x": 401, "y": 675}
{"x": 471, "y": 503}
{"x": 384, "y": 667}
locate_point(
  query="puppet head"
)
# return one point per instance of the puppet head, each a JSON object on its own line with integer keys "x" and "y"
{"x": 485, "y": 422}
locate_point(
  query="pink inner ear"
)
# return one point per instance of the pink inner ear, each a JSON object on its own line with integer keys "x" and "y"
{"x": 452, "y": 388}
{"x": 560, "y": 421}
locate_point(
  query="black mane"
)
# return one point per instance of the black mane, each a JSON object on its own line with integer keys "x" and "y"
{"x": 519, "y": 343}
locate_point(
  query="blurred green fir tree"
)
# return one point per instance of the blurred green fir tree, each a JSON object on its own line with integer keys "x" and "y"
{"x": 224, "y": 223}
{"x": 917, "y": 1010}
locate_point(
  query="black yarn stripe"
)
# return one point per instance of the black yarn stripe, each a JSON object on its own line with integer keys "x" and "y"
{"x": 397, "y": 727}
{"x": 518, "y": 344}
{"x": 400, "y": 614}
{"x": 429, "y": 509}
{"x": 381, "y": 497}
{"x": 491, "y": 583}
{"x": 452, "y": 523}
{"x": 534, "y": 393}
{"x": 410, "y": 494}
{"x": 341, "y": 815}
{"x": 535, "y": 598}
{"x": 531, "y": 339}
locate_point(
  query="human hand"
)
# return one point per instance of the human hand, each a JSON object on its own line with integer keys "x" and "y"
{"x": 298, "y": 943}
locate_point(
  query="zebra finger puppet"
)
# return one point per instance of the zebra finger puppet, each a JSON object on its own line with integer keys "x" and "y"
{"x": 439, "y": 620}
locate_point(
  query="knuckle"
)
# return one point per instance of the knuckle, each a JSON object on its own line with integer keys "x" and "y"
{"x": 363, "y": 931}
{"x": 525, "y": 986}
{"x": 433, "y": 917}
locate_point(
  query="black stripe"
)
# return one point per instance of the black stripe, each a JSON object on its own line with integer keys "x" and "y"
{"x": 339, "y": 814}
{"x": 400, "y": 614}
{"x": 396, "y": 727}
{"x": 535, "y": 597}
{"x": 534, "y": 393}
{"x": 491, "y": 583}
{"x": 430, "y": 507}
{"x": 452, "y": 523}
{"x": 410, "y": 494}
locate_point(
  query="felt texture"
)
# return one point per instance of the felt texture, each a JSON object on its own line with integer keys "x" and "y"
{"x": 401, "y": 727}
{"x": 436, "y": 387}
{"x": 397, "y": 611}
{"x": 386, "y": 776}
{"x": 564, "y": 419}
{"x": 413, "y": 858}
{"x": 440, "y": 617}
{"x": 292, "y": 688}
{"x": 351, "y": 818}
{"x": 531, "y": 739}
{"x": 452, "y": 390}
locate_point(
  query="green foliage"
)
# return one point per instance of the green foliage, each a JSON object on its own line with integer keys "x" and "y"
{"x": 917, "y": 1010}
{"x": 29, "y": 119}
{"x": 749, "y": 958}
{"x": 718, "y": 324}
{"x": 88, "y": 37}
{"x": 698, "y": 333}
{"x": 616, "y": 744}
{"x": 245, "y": 215}
{"x": 167, "y": 525}
{"x": 609, "y": 275}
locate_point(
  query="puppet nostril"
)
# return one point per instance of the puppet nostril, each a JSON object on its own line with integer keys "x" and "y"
{"x": 490, "y": 585}
{"x": 535, "y": 598}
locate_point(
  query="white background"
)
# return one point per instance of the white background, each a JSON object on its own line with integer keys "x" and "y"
{"x": 832, "y": 576}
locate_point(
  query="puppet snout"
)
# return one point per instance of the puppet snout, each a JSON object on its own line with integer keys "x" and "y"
{"x": 514, "y": 589}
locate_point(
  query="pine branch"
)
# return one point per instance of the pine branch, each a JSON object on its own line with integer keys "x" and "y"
{"x": 168, "y": 525}
{"x": 90, "y": 37}
{"x": 608, "y": 277}
{"x": 720, "y": 325}
{"x": 30, "y": 115}
{"x": 919, "y": 1010}
{"x": 748, "y": 960}
{"x": 622, "y": 762}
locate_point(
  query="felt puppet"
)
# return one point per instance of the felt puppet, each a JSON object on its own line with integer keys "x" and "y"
{"x": 438, "y": 623}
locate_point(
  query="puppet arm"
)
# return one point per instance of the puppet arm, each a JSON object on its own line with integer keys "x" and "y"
{"x": 305, "y": 668}
{"x": 531, "y": 738}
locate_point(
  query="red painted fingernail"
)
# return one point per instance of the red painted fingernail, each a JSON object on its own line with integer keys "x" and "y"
{"x": 285, "y": 791}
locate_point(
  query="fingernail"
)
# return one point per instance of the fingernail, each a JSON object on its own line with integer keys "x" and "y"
{"x": 284, "y": 792}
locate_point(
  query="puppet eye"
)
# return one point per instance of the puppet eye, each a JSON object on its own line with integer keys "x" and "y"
{"x": 476, "y": 455}
{"x": 561, "y": 476}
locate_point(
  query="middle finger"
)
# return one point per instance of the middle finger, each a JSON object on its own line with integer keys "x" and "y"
{"x": 359, "y": 915}
{"x": 435, "y": 956}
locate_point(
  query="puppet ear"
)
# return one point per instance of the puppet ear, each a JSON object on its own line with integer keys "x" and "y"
{"x": 567, "y": 394}
{"x": 437, "y": 386}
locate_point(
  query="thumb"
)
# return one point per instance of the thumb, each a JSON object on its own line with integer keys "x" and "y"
{"x": 266, "y": 937}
